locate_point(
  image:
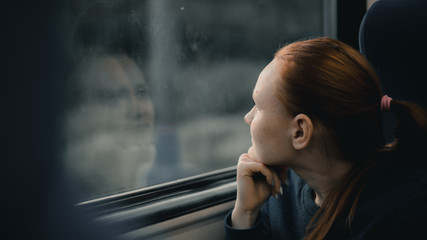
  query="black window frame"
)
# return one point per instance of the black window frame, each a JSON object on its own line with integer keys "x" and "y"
{"x": 135, "y": 209}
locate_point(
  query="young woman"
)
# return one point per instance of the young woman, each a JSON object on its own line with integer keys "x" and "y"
{"x": 318, "y": 167}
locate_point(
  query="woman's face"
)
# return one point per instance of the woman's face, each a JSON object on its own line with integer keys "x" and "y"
{"x": 110, "y": 132}
{"x": 269, "y": 121}
{"x": 114, "y": 99}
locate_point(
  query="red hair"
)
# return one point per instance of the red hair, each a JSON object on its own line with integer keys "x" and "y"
{"x": 338, "y": 89}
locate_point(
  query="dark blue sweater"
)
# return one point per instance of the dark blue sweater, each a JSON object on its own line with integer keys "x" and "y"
{"x": 393, "y": 205}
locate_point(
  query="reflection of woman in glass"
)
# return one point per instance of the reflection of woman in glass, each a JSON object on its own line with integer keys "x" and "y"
{"x": 110, "y": 118}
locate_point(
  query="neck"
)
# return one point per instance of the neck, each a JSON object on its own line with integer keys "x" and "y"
{"x": 323, "y": 176}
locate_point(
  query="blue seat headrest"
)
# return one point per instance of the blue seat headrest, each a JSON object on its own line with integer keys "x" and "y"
{"x": 393, "y": 37}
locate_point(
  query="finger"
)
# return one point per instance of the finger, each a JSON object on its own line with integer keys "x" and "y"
{"x": 282, "y": 172}
{"x": 277, "y": 186}
{"x": 270, "y": 174}
{"x": 272, "y": 178}
{"x": 250, "y": 168}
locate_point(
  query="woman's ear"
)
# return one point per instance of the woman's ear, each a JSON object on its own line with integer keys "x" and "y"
{"x": 302, "y": 131}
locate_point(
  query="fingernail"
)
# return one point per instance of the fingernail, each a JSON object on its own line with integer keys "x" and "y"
{"x": 281, "y": 190}
{"x": 276, "y": 196}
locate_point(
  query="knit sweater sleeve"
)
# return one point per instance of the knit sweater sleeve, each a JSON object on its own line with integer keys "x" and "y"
{"x": 260, "y": 230}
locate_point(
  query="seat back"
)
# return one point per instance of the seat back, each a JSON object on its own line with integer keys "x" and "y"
{"x": 393, "y": 37}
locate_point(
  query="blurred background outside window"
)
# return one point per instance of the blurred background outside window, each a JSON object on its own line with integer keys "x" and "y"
{"x": 157, "y": 89}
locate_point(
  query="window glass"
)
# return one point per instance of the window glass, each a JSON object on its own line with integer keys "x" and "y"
{"x": 157, "y": 89}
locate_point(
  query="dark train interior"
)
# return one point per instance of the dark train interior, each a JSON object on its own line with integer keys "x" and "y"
{"x": 124, "y": 118}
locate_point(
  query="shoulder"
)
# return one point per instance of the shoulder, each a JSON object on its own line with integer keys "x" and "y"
{"x": 410, "y": 201}
{"x": 291, "y": 193}
{"x": 395, "y": 184}
{"x": 287, "y": 216}
{"x": 393, "y": 202}
{"x": 395, "y": 180}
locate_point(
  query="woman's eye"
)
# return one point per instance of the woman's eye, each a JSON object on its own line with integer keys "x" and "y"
{"x": 141, "y": 92}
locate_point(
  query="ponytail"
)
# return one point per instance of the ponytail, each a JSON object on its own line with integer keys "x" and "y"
{"x": 410, "y": 132}
{"x": 410, "y": 140}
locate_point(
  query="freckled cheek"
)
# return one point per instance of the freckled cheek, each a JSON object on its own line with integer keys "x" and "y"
{"x": 269, "y": 142}
{"x": 260, "y": 137}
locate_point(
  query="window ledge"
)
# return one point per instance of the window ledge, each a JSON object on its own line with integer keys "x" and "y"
{"x": 147, "y": 206}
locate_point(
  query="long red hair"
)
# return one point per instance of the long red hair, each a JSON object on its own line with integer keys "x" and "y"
{"x": 337, "y": 88}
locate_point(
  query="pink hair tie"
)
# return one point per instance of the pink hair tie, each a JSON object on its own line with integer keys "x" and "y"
{"x": 385, "y": 103}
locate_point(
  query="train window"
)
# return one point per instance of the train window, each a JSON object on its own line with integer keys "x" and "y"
{"x": 157, "y": 89}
